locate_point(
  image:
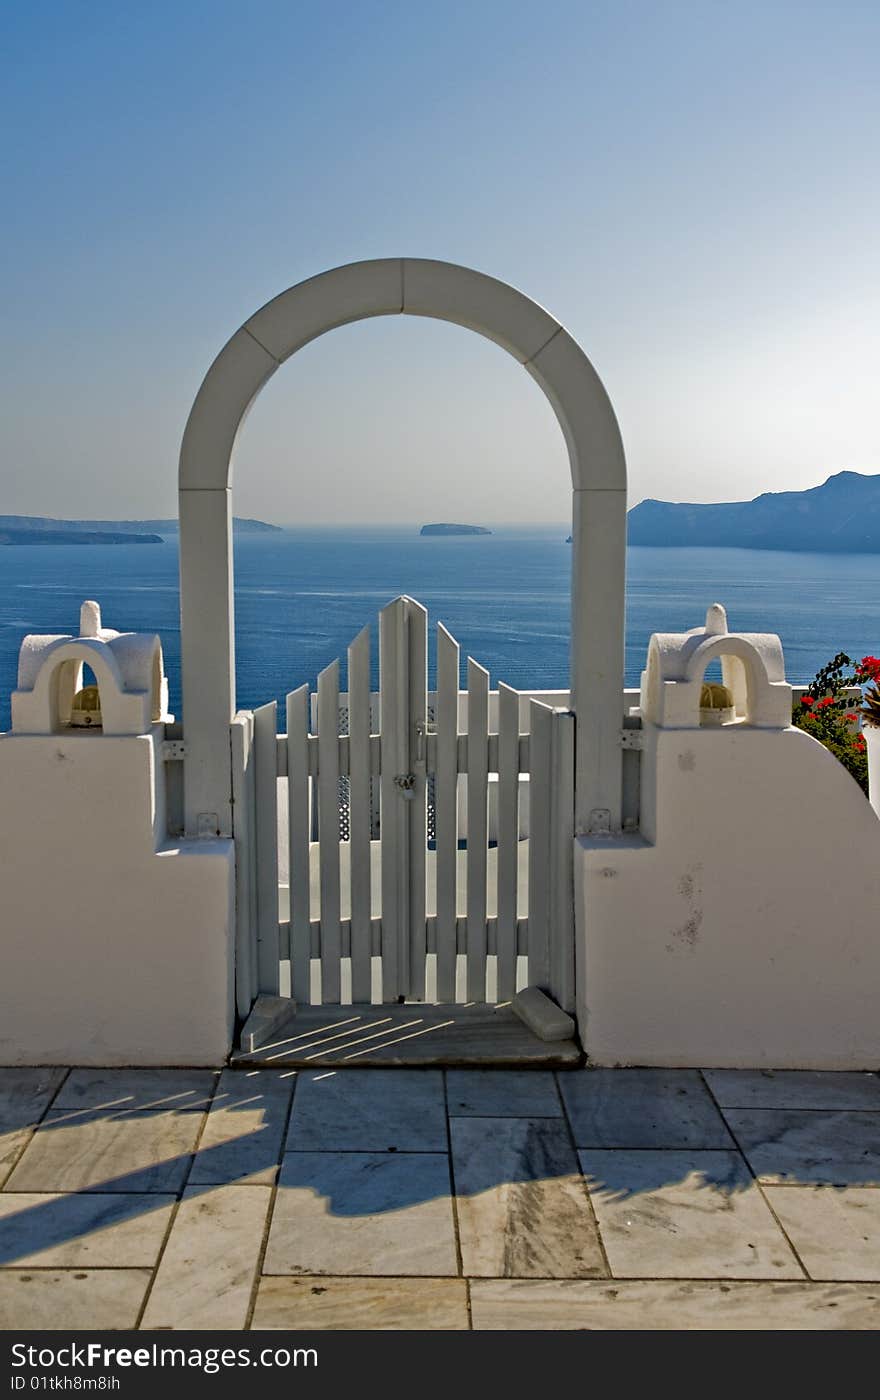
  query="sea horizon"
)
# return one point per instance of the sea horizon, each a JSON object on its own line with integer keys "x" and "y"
{"x": 303, "y": 593}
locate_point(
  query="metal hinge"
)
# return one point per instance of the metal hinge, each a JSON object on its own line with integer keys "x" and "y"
{"x": 631, "y": 738}
{"x": 173, "y": 750}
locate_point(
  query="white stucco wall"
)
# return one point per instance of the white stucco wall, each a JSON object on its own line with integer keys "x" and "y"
{"x": 740, "y": 927}
{"x": 116, "y": 947}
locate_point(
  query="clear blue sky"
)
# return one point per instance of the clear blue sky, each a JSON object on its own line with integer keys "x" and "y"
{"x": 692, "y": 188}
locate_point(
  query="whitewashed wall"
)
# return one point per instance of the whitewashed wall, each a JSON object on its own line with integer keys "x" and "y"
{"x": 740, "y": 927}
{"x": 116, "y": 947}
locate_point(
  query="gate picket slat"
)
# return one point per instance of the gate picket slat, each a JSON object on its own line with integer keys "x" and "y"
{"x": 562, "y": 984}
{"x": 359, "y": 815}
{"x": 417, "y": 807}
{"x": 540, "y": 755}
{"x": 446, "y": 810}
{"x": 242, "y": 743}
{"x": 299, "y": 805}
{"x": 266, "y": 828}
{"x": 508, "y": 835}
{"x": 477, "y": 831}
{"x": 392, "y": 832}
{"x": 328, "y": 832}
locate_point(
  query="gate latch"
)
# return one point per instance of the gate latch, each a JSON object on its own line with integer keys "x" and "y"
{"x": 405, "y": 782}
{"x": 424, "y": 727}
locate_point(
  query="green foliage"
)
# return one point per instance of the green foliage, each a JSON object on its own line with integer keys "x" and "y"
{"x": 830, "y": 715}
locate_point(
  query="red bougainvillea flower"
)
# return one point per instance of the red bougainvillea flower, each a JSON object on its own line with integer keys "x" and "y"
{"x": 823, "y": 704}
{"x": 859, "y": 743}
{"x": 806, "y": 699}
{"x": 851, "y": 715}
{"x": 868, "y": 669}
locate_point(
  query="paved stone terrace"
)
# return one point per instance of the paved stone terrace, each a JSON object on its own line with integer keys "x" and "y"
{"x": 416, "y": 1198}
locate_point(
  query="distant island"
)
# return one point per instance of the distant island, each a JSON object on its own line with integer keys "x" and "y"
{"x": 841, "y": 516}
{"x": 38, "y": 529}
{"x": 454, "y": 530}
{"x": 12, "y": 536}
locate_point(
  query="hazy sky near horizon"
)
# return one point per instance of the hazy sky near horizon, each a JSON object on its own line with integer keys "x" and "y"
{"x": 691, "y": 188}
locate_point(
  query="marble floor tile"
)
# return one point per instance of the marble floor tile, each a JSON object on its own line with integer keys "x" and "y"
{"x": 362, "y": 1110}
{"x": 138, "y": 1090}
{"x": 85, "y": 1231}
{"x": 12, "y": 1144}
{"x": 249, "y": 1085}
{"x": 803, "y": 1147}
{"x": 642, "y": 1108}
{"x": 690, "y": 1214}
{"x": 502, "y": 1093}
{"x": 362, "y": 1304}
{"x": 363, "y": 1213}
{"x": 243, "y": 1135}
{"x": 835, "y": 1230}
{"x": 793, "y": 1088}
{"x": 71, "y": 1300}
{"x": 519, "y": 1304}
{"x": 143, "y": 1152}
{"x": 522, "y": 1207}
{"x": 25, "y": 1094}
{"x": 207, "y": 1273}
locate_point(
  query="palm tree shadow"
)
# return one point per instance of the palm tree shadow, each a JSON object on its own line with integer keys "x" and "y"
{"x": 488, "y": 1155}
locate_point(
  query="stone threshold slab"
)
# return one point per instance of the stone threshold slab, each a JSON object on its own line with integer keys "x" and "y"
{"x": 409, "y": 1034}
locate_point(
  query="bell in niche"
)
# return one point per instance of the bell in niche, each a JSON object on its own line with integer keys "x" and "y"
{"x": 716, "y": 705}
{"x": 85, "y": 712}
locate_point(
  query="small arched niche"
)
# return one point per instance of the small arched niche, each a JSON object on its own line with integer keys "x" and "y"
{"x": 124, "y": 668}
{"x": 752, "y": 672}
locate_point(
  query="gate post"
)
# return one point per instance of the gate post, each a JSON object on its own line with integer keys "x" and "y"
{"x": 243, "y": 799}
{"x": 562, "y": 816}
{"x": 266, "y": 843}
{"x": 207, "y": 659}
{"x": 551, "y": 852}
{"x": 597, "y": 656}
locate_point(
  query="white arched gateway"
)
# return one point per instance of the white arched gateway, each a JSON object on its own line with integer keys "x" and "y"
{"x": 415, "y": 287}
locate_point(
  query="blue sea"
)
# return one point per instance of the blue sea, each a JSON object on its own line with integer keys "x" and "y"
{"x": 302, "y": 595}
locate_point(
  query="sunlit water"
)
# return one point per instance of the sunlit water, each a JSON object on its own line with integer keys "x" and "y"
{"x": 301, "y": 597}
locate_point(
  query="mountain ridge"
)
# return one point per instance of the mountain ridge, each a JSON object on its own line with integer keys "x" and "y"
{"x": 842, "y": 515}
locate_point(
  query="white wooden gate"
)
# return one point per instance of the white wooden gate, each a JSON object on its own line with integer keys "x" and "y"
{"x": 404, "y": 882}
